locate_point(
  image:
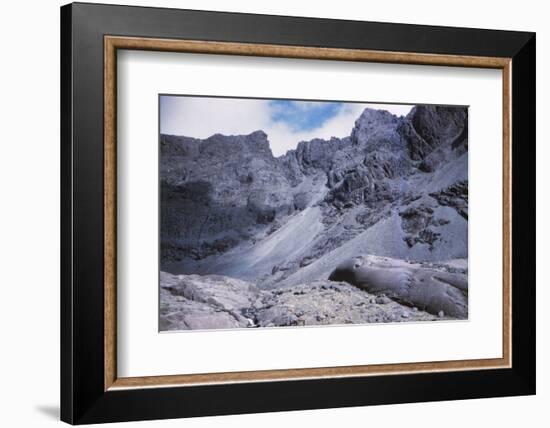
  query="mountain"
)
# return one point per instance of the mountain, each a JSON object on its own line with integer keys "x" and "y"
{"x": 395, "y": 187}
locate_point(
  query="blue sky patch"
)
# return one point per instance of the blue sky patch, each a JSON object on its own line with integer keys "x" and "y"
{"x": 303, "y": 115}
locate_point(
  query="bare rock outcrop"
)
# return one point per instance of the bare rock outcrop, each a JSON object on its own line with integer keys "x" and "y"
{"x": 195, "y": 302}
{"x": 204, "y": 302}
{"x": 429, "y": 288}
{"x": 327, "y": 303}
{"x": 218, "y": 192}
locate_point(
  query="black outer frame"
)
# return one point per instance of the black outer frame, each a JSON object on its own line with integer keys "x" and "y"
{"x": 83, "y": 399}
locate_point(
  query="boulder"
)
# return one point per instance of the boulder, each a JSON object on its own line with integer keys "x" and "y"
{"x": 433, "y": 290}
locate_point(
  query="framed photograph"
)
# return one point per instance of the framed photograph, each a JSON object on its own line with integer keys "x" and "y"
{"x": 265, "y": 213}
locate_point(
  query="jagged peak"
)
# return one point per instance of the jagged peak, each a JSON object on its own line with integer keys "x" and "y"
{"x": 255, "y": 141}
{"x": 431, "y": 110}
{"x": 258, "y": 135}
{"x": 370, "y": 115}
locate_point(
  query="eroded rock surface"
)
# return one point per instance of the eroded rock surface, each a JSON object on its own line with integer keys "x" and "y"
{"x": 327, "y": 303}
{"x": 427, "y": 287}
{"x": 194, "y": 302}
{"x": 204, "y": 302}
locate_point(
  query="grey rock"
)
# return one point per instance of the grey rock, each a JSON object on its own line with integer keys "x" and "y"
{"x": 218, "y": 192}
{"x": 433, "y": 290}
{"x": 455, "y": 196}
{"x": 194, "y": 302}
{"x": 430, "y": 127}
{"x": 382, "y": 300}
{"x": 322, "y": 302}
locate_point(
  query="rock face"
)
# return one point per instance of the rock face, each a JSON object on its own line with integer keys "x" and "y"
{"x": 218, "y": 192}
{"x": 396, "y": 187}
{"x": 193, "y": 302}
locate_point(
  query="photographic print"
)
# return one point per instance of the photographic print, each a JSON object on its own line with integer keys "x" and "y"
{"x": 280, "y": 212}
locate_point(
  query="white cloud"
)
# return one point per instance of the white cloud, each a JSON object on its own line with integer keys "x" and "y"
{"x": 201, "y": 117}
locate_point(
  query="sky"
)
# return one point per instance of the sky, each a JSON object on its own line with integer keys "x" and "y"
{"x": 285, "y": 122}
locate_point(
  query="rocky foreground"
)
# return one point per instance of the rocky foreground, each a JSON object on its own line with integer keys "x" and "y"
{"x": 391, "y": 294}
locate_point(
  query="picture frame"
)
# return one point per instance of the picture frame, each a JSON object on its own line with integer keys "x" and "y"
{"x": 91, "y": 390}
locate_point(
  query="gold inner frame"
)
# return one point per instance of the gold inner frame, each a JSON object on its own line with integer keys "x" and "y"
{"x": 113, "y": 43}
